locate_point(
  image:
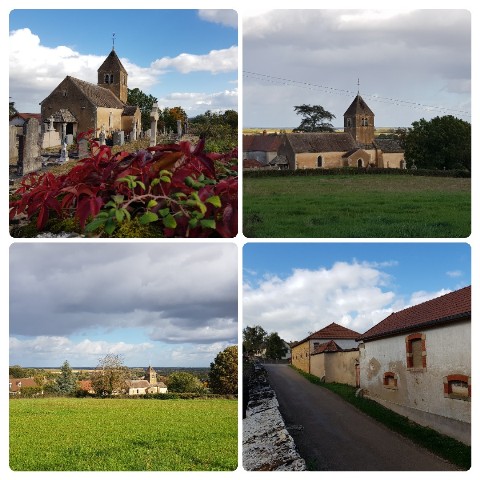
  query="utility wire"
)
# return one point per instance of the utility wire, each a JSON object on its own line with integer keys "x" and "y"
{"x": 338, "y": 91}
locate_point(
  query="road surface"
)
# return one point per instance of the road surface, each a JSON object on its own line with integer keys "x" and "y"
{"x": 330, "y": 434}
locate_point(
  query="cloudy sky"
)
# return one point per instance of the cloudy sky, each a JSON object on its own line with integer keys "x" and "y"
{"x": 411, "y": 64}
{"x": 185, "y": 58}
{"x": 298, "y": 288}
{"x": 168, "y": 304}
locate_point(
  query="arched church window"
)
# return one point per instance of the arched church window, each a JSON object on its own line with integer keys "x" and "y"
{"x": 319, "y": 161}
{"x": 107, "y": 78}
{"x": 111, "y": 78}
{"x": 359, "y": 163}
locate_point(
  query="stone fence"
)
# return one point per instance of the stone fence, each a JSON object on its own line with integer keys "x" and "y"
{"x": 267, "y": 445}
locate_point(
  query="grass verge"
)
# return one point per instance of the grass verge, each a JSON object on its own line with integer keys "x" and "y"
{"x": 445, "y": 447}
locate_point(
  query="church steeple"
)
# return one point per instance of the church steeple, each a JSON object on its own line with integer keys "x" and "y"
{"x": 359, "y": 121}
{"x": 112, "y": 75}
{"x": 151, "y": 375}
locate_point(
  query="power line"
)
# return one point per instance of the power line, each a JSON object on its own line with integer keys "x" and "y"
{"x": 338, "y": 91}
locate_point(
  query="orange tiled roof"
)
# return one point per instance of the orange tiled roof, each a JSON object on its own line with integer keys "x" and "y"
{"x": 453, "y": 306}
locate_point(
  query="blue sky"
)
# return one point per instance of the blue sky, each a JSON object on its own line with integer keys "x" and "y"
{"x": 296, "y": 288}
{"x": 169, "y": 304}
{"x": 184, "y": 58}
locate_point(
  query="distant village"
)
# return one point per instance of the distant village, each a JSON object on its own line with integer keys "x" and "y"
{"x": 356, "y": 146}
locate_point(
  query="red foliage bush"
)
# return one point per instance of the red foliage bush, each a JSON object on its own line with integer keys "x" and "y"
{"x": 178, "y": 187}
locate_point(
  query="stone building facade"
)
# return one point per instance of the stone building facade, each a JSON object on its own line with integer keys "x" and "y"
{"x": 417, "y": 362}
{"x": 78, "y": 106}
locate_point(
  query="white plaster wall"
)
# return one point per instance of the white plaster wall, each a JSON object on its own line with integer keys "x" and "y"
{"x": 448, "y": 352}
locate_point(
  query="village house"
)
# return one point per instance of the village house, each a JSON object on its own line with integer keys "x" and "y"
{"x": 76, "y": 106}
{"x": 306, "y": 354}
{"x": 260, "y": 148}
{"x": 148, "y": 384}
{"x": 16, "y": 385}
{"x": 334, "y": 364}
{"x": 417, "y": 363}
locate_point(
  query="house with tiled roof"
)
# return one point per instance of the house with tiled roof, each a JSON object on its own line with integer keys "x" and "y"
{"x": 16, "y": 385}
{"x": 303, "y": 350}
{"x": 78, "y": 106}
{"x": 332, "y": 363}
{"x": 261, "y": 148}
{"x": 417, "y": 362}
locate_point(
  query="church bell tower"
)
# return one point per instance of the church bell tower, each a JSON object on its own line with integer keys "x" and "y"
{"x": 359, "y": 121}
{"x": 112, "y": 75}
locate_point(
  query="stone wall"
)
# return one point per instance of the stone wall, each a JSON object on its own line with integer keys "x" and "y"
{"x": 267, "y": 445}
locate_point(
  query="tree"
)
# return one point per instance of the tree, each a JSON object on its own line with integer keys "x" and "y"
{"x": 169, "y": 116}
{"x": 314, "y": 119}
{"x": 223, "y": 375}
{"x": 110, "y": 375}
{"x": 220, "y": 130}
{"x": 254, "y": 340}
{"x": 275, "y": 346}
{"x": 11, "y": 109}
{"x": 65, "y": 383}
{"x": 144, "y": 102}
{"x": 440, "y": 143}
{"x": 184, "y": 382}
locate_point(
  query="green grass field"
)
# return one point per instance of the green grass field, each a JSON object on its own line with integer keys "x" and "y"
{"x": 123, "y": 434}
{"x": 356, "y": 206}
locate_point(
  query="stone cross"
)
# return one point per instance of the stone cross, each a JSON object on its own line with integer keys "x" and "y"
{"x": 179, "y": 128}
{"x": 50, "y": 127}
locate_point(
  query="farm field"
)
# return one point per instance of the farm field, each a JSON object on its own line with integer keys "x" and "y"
{"x": 356, "y": 206}
{"x": 123, "y": 434}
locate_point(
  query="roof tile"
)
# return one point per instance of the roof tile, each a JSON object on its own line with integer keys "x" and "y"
{"x": 449, "y": 307}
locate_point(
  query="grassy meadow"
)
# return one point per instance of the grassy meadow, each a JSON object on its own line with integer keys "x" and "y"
{"x": 356, "y": 206}
{"x": 123, "y": 434}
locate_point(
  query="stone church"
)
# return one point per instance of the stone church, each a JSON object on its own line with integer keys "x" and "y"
{"x": 149, "y": 384}
{"x": 77, "y": 106}
{"x": 356, "y": 146}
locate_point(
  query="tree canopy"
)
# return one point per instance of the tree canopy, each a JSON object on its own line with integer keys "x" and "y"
{"x": 223, "y": 375}
{"x": 440, "y": 143}
{"x": 184, "y": 382}
{"x": 254, "y": 339}
{"x": 65, "y": 383}
{"x": 110, "y": 375}
{"x": 219, "y": 129}
{"x": 144, "y": 102}
{"x": 275, "y": 346}
{"x": 314, "y": 119}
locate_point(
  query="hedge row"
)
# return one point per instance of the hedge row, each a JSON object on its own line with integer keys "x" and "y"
{"x": 307, "y": 172}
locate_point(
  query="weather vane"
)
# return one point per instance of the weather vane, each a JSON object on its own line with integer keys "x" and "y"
{"x": 113, "y": 40}
{"x": 358, "y": 85}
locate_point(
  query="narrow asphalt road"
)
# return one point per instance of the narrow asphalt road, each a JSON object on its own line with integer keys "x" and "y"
{"x": 330, "y": 434}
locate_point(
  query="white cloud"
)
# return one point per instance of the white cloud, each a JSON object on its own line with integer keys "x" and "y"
{"x": 307, "y": 300}
{"x": 216, "y": 61}
{"x": 423, "y": 296}
{"x": 35, "y": 70}
{"x": 52, "y": 349}
{"x": 195, "y": 103}
{"x": 228, "y": 18}
{"x": 455, "y": 273}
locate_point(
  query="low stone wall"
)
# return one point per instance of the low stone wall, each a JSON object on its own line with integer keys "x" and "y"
{"x": 267, "y": 445}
